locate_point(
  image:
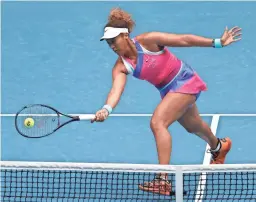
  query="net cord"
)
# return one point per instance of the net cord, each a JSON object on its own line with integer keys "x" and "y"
{"x": 126, "y": 167}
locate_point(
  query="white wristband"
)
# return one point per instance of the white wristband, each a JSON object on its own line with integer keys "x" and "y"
{"x": 217, "y": 43}
{"x": 108, "y": 108}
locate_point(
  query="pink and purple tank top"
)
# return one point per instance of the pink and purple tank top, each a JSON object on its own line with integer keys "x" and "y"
{"x": 165, "y": 71}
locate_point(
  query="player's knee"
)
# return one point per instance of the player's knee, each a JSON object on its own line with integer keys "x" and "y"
{"x": 157, "y": 124}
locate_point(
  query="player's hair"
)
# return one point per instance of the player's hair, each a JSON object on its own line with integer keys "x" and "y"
{"x": 120, "y": 19}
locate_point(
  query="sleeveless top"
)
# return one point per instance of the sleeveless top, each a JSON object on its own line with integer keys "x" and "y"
{"x": 158, "y": 68}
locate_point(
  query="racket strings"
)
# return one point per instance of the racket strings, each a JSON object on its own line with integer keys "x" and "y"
{"x": 45, "y": 120}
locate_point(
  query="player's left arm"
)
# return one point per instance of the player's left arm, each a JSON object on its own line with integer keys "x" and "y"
{"x": 191, "y": 40}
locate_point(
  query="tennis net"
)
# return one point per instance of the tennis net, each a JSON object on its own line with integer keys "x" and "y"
{"x": 55, "y": 181}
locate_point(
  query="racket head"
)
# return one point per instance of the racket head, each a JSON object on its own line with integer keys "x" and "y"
{"x": 46, "y": 120}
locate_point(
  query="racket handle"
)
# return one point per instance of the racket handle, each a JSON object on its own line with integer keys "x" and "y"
{"x": 85, "y": 117}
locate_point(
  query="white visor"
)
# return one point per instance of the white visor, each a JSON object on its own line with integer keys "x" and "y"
{"x": 112, "y": 32}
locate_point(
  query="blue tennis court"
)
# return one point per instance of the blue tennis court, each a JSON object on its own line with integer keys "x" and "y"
{"x": 51, "y": 54}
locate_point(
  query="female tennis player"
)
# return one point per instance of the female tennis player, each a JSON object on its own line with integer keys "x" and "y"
{"x": 146, "y": 57}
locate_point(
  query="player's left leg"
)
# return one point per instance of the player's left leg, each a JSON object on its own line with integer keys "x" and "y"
{"x": 193, "y": 123}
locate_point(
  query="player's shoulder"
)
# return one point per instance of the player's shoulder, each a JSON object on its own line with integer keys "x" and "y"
{"x": 147, "y": 36}
{"x": 148, "y": 40}
{"x": 142, "y": 38}
{"x": 119, "y": 66}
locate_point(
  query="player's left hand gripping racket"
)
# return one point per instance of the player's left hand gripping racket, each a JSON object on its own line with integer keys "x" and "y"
{"x": 38, "y": 120}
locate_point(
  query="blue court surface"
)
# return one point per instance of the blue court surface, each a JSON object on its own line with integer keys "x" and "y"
{"x": 51, "y": 54}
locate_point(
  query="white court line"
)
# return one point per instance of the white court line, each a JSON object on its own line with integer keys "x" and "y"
{"x": 207, "y": 159}
{"x": 141, "y": 115}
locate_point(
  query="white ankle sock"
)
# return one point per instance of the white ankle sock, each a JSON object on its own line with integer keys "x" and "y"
{"x": 217, "y": 148}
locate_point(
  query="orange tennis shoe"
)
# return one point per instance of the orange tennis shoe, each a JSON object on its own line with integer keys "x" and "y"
{"x": 158, "y": 185}
{"x": 220, "y": 156}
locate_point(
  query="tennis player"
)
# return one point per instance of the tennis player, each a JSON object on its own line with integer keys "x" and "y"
{"x": 146, "y": 57}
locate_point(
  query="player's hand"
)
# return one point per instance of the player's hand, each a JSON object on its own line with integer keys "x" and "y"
{"x": 230, "y": 36}
{"x": 100, "y": 116}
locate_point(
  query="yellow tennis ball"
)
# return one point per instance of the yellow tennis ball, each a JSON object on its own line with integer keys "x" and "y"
{"x": 29, "y": 122}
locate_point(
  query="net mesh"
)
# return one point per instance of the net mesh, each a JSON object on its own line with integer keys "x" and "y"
{"x": 21, "y": 181}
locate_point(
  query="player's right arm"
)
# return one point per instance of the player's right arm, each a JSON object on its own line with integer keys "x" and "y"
{"x": 119, "y": 74}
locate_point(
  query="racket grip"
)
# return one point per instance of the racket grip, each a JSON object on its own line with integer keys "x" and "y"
{"x": 87, "y": 117}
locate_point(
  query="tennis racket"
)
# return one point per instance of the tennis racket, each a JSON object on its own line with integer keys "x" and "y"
{"x": 38, "y": 120}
